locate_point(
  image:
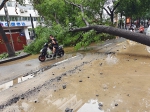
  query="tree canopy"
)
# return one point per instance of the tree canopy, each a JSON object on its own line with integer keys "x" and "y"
{"x": 62, "y": 16}
{"x": 133, "y": 8}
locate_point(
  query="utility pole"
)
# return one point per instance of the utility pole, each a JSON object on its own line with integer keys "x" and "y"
{"x": 33, "y": 32}
{"x": 8, "y": 23}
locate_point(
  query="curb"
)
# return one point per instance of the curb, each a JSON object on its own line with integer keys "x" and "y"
{"x": 13, "y": 58}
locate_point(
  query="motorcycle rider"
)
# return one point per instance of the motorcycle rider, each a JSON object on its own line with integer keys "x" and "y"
{"x": 53, "y": 45}
{"x": 141, "y": 29}
{"x": 132, "y": 28}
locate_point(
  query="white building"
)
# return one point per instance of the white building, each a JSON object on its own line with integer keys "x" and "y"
{"x": 21, "y": 16}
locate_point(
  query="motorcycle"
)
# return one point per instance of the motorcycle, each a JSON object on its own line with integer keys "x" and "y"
{"x": 45, "y": 52}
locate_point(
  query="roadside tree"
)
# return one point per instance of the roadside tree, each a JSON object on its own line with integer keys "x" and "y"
{"x": 66, "y": 18}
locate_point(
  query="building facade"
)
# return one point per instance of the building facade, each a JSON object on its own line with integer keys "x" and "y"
{"x": 19, "y": 15}
{"x": 19, "y": 19}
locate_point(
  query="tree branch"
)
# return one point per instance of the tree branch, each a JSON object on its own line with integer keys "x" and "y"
{"x": 109, "y": 8}
{"x": 107, "y": 11}
{"x": 55, "y": 16}
{"x": 137, "y": 37}
{"x": 116, "y": 6}
{"x": 82, "y": 11}
{"x": 2, "y": 4}
{"x": 16, "y": 8}
{"x": 73, "y": 4}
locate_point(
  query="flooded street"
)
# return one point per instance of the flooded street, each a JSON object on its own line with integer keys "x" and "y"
{"x": 110, "y": 79}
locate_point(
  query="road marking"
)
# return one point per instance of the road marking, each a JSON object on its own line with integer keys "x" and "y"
{"x": 66, "y": 60}
{"x": 107, "y": 44}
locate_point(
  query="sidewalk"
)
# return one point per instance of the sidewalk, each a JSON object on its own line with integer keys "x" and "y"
{"x": 19, "y": 56}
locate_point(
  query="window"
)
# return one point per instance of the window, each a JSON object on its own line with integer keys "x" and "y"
{"x": 24, "y": 18}
{"x": 2, "y": 18}
{"x": 19, "y": 18}
{"x": 34, "y": 18}
{"x": 42, "y": 19}
{"x": 29, "y": 19}
{"x": 13, "y": 18}
{"x": 9, "y": 4}
{"x": 10, "y": 18}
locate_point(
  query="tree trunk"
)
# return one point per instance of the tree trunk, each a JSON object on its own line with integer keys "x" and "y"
{"x": 137, "y": 37}
{"x": 7, "y": 44}
{"x": 112, "y": 17}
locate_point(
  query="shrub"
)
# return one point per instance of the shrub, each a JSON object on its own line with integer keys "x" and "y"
{"x": 3, "y": 55}
{"x": 65, "y": 38}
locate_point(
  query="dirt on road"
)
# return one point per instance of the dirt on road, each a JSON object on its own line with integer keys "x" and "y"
{"x": 116, "y": 81}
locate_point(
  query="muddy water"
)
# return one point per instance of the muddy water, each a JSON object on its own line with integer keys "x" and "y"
{"x": 112, "y": 83}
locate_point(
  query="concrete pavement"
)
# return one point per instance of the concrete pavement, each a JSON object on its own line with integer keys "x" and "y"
{"x": 19, "y": 56}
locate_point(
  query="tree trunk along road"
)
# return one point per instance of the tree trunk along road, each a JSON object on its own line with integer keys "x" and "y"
{"x": 137, "y": 37}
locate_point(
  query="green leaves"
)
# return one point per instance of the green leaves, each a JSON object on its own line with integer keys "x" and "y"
{"x": 134, "y": 8}
{"x": 59, "y": 13}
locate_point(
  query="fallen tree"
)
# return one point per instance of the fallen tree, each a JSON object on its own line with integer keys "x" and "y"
{"x": 137, "y": 37}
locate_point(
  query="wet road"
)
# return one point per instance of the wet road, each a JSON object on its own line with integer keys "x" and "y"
{"x": 110, "y": 83}
{"x": 21, "y": 67}
{"x": 18, "y": 68}
{"x": 101, "y": 79}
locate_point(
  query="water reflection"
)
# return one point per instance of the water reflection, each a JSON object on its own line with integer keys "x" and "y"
{"x": 25, "y": 78}
{"x": 6, "y": 86}
{"x": 111, "y": 59}
{"x": 14, "y": 82}
{"x": 91, "y": 106}
{"x": 70, "y": 102}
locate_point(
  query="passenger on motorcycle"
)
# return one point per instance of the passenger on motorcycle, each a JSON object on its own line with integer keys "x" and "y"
{"x": 53, "y": 45}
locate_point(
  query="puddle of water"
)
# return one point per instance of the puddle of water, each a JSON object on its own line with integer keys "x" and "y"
{"x": 130, "y": 42}
{"x": 14, "y": 82}
{"x": 6, "y": 86}
{"x": 91, "y": 106}
{"x": 25, "y": 78}
{"x": 111, "y": 59}
{"x": 70, "y": 103}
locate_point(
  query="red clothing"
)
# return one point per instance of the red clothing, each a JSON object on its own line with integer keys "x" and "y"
{"x": 141, "y": 29}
